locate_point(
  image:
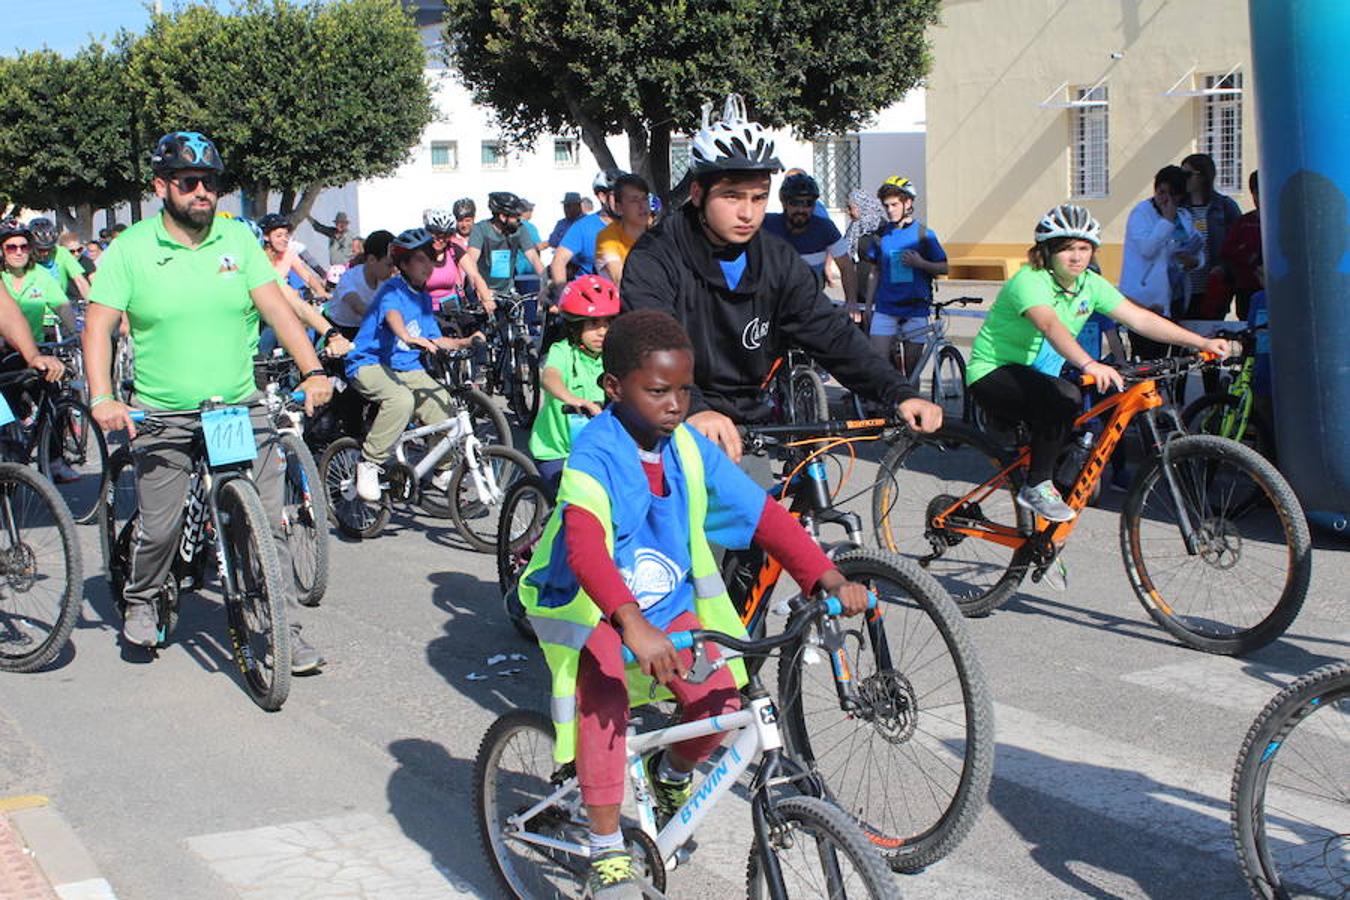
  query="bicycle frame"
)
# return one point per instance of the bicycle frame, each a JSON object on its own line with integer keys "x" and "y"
{"x": 1234, "y": 423}
{"x": 1142, "y": 398}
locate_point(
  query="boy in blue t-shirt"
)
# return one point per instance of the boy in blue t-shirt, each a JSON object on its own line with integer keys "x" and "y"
{"x": 908, "y": 256}
{"x": 385, "y": 362}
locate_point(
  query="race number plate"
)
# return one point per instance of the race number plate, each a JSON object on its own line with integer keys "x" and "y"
{"x": 229, "y": 435}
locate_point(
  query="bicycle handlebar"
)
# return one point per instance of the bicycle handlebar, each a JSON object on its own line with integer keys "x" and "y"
{"x": 964, "y": 301}
{"x": 685, "y": 640}
{"x": 1169, "y": 367}
{"x": 757, "y": 438}
{"x": 140, "y": 415}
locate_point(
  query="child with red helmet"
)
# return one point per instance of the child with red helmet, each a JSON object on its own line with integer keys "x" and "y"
{"x": 571, "y": 372}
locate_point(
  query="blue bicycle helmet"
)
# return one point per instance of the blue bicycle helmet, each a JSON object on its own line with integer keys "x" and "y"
{"x": 179, "y": 150}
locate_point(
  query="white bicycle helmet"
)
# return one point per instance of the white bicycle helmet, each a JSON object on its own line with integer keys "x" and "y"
{"x": 732, "y": 144}
{"x": 441, "y": 221}
{"x": 1069, "y": 221}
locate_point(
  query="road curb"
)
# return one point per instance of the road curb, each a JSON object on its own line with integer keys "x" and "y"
{"x": 52, "y": 845}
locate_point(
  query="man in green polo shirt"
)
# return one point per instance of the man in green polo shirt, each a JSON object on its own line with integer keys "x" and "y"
{"x": 192, "y": 286}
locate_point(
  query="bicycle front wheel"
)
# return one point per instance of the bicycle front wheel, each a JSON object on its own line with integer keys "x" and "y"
{"x": 524, "y": 386}
{"x": 353, "y": 516}
{"x": 948, "y": 389}
{"x": 809, "y": 401}
{"x": 476, "y": 496}
{"x": 41, "y": 577}
{"x": 820, "y": 854}
{"x": 913, "y": 763}
{"x": 256, "y": 607}
{"x": 1243, "y": 577}
{"x": 70, "y": 435}
{"x": 922, "y": 476}
{"x": 305, "y": 506}
{"x": 1291, "y": 791}
{"x": 525, "y": 512}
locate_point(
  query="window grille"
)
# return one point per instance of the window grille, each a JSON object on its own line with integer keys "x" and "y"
{"x": 1091, "y": 159}
{"x": 837, "y": 165}
{"x": 1221, "y": 129}
{"x": 494, "y": 155}
{"x": 566, "y": 153}
{"x": 679, "y": 159}
{"x": 444, "y": 156}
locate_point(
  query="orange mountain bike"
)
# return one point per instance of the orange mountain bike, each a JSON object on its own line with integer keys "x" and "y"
{"x": 1214, "y": 541}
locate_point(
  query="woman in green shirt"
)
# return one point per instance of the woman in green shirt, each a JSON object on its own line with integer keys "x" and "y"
{"x": 1030, "y": 334}
{"x": 32, "y": 287}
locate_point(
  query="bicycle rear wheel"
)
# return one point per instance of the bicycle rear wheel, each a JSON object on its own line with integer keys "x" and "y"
{"x": 1212, "y": 413}
{"x": 353, "y": 516}
{"x": 948, "y": 388}
{"x": 913, "y": 764}
{"x": 41, "y": 577}
{"x": 525, "y": 512}
{"x": 305, "y": 506}
{"x": 477, "y": 514}
{"x": 256, "y": 608}
{"x": 1247, "y": 576}
{"x": 524, "y": 394}
{"x": 489, "y": 423}
{"x": 924, "y": 475}
{"x": 1291, "y": 790}
{"x": 70, "y": 434}
{"x": 820, "y": 854}
{"x": 514, "y": 771}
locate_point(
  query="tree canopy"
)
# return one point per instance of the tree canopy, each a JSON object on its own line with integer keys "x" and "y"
{"x": 67, "y": 141}
{"x": 297, "y": 96}
{"x": 645, "y": 67}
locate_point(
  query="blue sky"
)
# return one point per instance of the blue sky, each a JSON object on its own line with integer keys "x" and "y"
{"x": 66, "y": 25}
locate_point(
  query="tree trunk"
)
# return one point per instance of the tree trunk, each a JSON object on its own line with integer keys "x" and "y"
{"x": 638, "y": 151}
{"x": 308, "y": 198}
{"x": 591, "y": 132}
{"x": 84, "y": 221}
{"x": 136, "y": 211}
{"x": 255, "y": 196}
{"x": 658, "y": 160}
{"x": 66, "y": 221}
{"x": 287, "y": 203}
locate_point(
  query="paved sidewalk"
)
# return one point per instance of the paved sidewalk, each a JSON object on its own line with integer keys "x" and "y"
{"x": 41, "y": 858}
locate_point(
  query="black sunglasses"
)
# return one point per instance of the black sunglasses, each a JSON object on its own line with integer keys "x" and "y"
{"x": 188, "y": 183}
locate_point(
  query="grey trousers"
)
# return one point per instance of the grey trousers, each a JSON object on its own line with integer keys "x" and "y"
{"x": 163, "y": 467}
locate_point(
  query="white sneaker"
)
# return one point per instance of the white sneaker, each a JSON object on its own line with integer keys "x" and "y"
{"x": 441, "y": 481}
{"x": 368, "y": 481}
{"x": 62, "y": 473}
{"x": 1045, "y": 501}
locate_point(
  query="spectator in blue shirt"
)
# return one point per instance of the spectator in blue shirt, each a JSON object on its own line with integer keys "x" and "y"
{"x": 576, "y": 251}
{"x": 908, "y": 257}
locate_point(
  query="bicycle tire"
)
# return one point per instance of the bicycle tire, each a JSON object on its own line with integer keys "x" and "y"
{"x": 524, "y": 386}
{"x": 489, "y": 422}
{"x": 921, "y": 475}
{"x": 497, "y": 796}
{"x": 353, "y": 516}
{"x": 32, "y": 633}
{"x": 835, "y": 834}
{"x": 806, "y": 393}
{"x": 948, "y": 388}
{"x": 1321, "y": 699}
{"x": 83, "y": 448}
{"x": 306, "y": 508}
{"x": 926, "y": 703}
{"x": 525, "y": 512}
{"x": 476, "y": 518}
{"x": 1205, "y": 416}
{"x": 256, "y": 611}
{"x": 1195, "y": 462}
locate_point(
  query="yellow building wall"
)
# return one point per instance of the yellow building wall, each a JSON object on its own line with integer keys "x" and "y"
{"x": 997, "y": 161}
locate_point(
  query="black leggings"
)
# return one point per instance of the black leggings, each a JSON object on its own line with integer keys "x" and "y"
{"x": 1048, "y": 405}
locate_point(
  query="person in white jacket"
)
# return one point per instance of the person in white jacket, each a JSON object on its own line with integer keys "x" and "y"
{"x": 1160, "y": 238}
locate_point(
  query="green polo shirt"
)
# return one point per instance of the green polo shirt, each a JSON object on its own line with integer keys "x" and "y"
{"x": 193, "y": 323}
{"x": 39, "y": 294}
{"x": 63, "y": 267}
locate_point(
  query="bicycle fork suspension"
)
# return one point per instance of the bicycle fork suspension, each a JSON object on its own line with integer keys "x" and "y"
{"x": 1184, "y": 523}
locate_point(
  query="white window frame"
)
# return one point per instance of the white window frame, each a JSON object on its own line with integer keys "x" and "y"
{"x": 500, "y": 146}
{"x": 573, "y": 160}
{"x": 1220, "y": 110}
{"x": 452, "y": 147}
{"x": 1089, "y": 143}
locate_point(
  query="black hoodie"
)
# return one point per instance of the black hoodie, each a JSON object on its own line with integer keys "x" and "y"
{"x": 737, "y": 334}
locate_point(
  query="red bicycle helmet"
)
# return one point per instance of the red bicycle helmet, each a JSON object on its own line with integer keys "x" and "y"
{"x": 589, "y": 297}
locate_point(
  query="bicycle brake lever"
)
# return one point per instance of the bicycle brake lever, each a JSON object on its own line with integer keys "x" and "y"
{"x": 703, "y": 668}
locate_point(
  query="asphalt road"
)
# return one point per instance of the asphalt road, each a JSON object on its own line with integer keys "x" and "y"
{"x": 1115, "y": 744}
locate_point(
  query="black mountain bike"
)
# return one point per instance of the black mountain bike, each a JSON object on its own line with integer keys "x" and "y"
{"x": 513, "y": 365}
{"x": 225, "y": 517}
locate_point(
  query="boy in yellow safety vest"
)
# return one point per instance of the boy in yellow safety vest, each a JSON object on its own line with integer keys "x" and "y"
{"x": 625, "y": 561}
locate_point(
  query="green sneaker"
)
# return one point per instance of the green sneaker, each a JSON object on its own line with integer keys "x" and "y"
{"x": 670, "y": 795}
{"x": 612, "y": 877}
